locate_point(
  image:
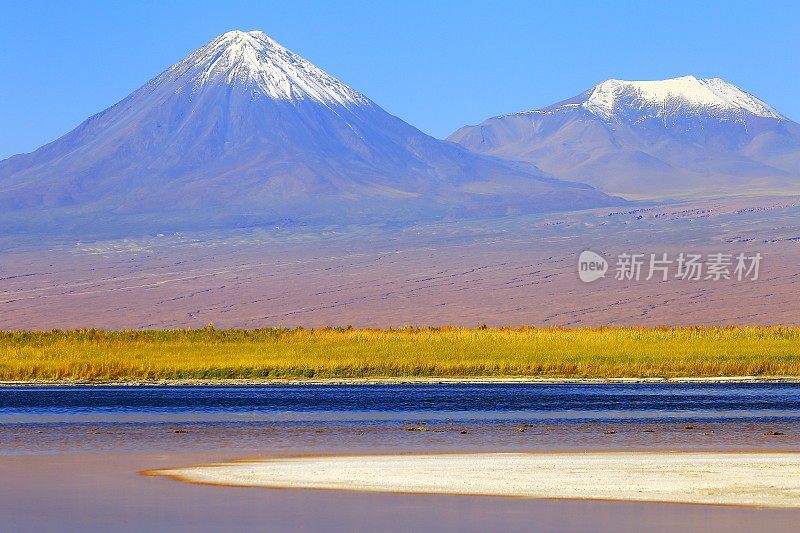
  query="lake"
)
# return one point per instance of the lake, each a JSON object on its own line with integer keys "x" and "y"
{"x": 336, "y": 417}
{"x": 70, "y": 456}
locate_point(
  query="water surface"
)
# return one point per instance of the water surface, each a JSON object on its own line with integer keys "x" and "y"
{"x": 70, "y": 456}
{"x": 437, "y": 416}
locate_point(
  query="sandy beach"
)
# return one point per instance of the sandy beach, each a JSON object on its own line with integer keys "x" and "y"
{"x": 746, "y": 479}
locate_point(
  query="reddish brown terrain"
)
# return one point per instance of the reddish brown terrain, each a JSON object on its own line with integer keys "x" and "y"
{"x": 515, "y": 270}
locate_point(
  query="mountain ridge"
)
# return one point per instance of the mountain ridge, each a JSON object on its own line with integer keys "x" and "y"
{"x": 654, "y": 138}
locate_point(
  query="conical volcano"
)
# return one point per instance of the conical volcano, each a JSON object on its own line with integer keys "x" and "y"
{"x": 245, "y": 131}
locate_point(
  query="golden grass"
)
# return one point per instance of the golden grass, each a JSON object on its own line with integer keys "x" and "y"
{"x": 410, "y": 352}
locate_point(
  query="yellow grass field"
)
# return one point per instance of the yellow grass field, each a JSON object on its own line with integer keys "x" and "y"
{"x": 448, "y": 352}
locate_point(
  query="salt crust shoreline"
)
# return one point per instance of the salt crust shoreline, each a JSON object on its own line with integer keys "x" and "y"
{"x": 745, "y": 479}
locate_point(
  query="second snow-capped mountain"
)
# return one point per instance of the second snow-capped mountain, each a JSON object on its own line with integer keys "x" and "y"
{"x": 677, "y": 137}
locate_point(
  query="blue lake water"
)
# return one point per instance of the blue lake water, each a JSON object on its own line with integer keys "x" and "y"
{"x": 73, "y": 453}
{"x": 287, "y": 417}
{"x": 450, "y": 401}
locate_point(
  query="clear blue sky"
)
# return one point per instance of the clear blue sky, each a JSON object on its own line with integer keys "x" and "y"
{"x": 436, "y": 64}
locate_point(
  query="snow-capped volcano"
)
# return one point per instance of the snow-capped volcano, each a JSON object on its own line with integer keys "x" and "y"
{"x": 254, "y": 59}
{"x": 679, "y": 136}
{"x": 686, "y": 94}
{"x": 243, "y": 131}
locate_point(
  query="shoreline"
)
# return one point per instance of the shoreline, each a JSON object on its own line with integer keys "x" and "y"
{"x": 100, "y": 492}
{"x": 740, "y": 479}
{"x": 399, "y": 381}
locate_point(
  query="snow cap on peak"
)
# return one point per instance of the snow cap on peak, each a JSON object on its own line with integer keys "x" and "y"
{"x": 688, "y": 92}
{"x": 252, "y": 57}
{"x": 239, "y": 35}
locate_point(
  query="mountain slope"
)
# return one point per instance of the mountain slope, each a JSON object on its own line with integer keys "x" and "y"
{"x": 681, "y": 136}
{"x": 243, "y": 131}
